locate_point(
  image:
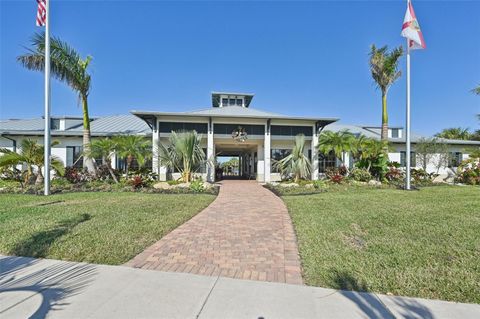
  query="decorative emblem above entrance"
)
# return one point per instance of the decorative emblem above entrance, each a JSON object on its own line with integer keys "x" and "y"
{"x": 239, "y": 134}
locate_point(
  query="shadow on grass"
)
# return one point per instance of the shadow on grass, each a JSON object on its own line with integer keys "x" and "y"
{"x": 371, "y": 305}
{"x": 38, "y": 244}
{"x": 22, "y": 277}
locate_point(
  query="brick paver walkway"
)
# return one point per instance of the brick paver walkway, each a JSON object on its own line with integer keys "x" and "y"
{"x": 245, "y": 233}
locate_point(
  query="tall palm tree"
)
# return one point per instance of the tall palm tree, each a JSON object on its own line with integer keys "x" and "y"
{"x": 105, "y": 149}
{"x": 67, "y": 66}
{"x": 476, "y": 90}
{"x": 30, "y": 155}
{"x": 384, "y": 68}
{"x": 183, "y": 153}
{"x": 296, "y": 163}
{"x": 133, "y": 147}
{"x": 455, "y": 133}
{"x": 340, "y": 143}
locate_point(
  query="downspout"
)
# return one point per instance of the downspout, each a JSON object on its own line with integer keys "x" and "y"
{"x": 14, "y": 142}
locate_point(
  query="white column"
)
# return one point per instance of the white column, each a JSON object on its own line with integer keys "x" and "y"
{"x": 260, "y": 163}
{"x": 314, "y": 158}
{"x": 210, "y": 153}
{"x": 155, "y": 141}
{"x": 266, "y": 156}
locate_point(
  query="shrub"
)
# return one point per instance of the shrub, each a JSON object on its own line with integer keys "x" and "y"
{"x": 336, "y": 178}
{"x": 197, "y": 186}
{"x": 75, "y": 176}
{"x": 137, "y": 182}
{"x": 394, "y": 174}
{"x": 360, "y": 175}
{"x": 320, "y": 184}
{"x": 173, "y": 182}
{"x": 469, "y": 172}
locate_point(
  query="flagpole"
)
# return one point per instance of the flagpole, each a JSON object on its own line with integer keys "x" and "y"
{"x": 47, "y": 101}
{"x": 407, "y": 126}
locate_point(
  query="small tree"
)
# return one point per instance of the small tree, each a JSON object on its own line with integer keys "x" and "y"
{"x": 105, "y": 149}
{"x": 31, "y": 155}
{"x": 432, "y": 151}
{"x": 339, "y": 142}
{"x": 296, "y": 164}
{"x": 183, "y": 153}
{"x": 133, "y": 147}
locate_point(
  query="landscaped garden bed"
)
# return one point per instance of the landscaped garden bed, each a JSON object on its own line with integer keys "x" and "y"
{"x": 97, "y": 227}
{"x": 421, "y": 243}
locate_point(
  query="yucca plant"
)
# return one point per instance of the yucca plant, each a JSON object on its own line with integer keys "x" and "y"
{"x": 67, "y": 66}
{"x": 295, "y": 164}
{"x": 31, "y": 156}
{"x": 183, "y": 153}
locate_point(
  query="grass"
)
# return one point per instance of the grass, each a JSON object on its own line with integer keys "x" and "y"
{"x": 422, "y": 243}
{"x": 105, "y": 228}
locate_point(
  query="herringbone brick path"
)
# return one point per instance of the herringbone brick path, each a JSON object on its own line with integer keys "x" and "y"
{"x": 245, "y": 233}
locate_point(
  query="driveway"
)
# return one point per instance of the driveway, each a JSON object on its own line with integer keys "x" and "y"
{"x": 246, "y": 233}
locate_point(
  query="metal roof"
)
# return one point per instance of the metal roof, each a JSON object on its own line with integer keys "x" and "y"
{"x": 414, "y": 137}
{"x": 232, "y": 111}
{"x": 100, "y": 126}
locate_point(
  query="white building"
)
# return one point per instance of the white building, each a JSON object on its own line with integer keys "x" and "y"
{"x": 228, "y": 128}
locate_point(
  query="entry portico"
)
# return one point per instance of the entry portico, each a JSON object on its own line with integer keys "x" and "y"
{"x": 231, "y": 128}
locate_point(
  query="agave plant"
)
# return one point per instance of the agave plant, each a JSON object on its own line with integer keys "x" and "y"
{"x": 295, "y": 164}
{"x": 183, "y": 153}
{"x": 31, "y": 156}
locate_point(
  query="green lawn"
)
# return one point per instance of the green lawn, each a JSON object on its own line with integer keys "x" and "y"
{"x": 106, "y": 228}
{"x": 422, "y": 243}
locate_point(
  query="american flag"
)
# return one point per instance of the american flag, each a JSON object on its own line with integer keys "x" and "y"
{"x": 42, "y": 13}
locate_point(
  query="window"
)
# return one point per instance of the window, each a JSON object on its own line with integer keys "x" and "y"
{"x": 229, "y": 128}
{"x": 231, "y": 102}
{"x": 55, "y": 124}
{"x": 403, "y": 161}
{"x": 456, "y": 158}
{"x": 277, "y": 155}
{"x": 74, "y": 154}
{"x": 284, "y": 130}
{"x": 239, "y": 102}
{"x": 326, "y": 161}
{"x": 168, "y": 127}
{"x": 395, "y": 133}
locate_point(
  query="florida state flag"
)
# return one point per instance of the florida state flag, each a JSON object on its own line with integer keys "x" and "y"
{"x": 411, "y": 30}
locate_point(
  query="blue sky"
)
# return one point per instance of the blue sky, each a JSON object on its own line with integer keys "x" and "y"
{"x": 299, "y": 58}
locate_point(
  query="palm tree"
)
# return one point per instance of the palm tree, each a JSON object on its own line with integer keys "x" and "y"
{"x": 455, "y": 133}
{"x": 296, "y": 163}
{"x": 105, "y": 149}
{"x": 183, "y": 153}
{"x": 66, "y": 66}
{"x": 340, "y": 142}
{"x": 476, "y": 90}
{"x": 31, "y": 155}
{"x": 384, "y": 68}
{"x": 133, "y": 147}
{"x": 371, "y": 149}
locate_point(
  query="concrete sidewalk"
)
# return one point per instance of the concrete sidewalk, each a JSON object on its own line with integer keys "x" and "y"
{"x": 31, "y": 288}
